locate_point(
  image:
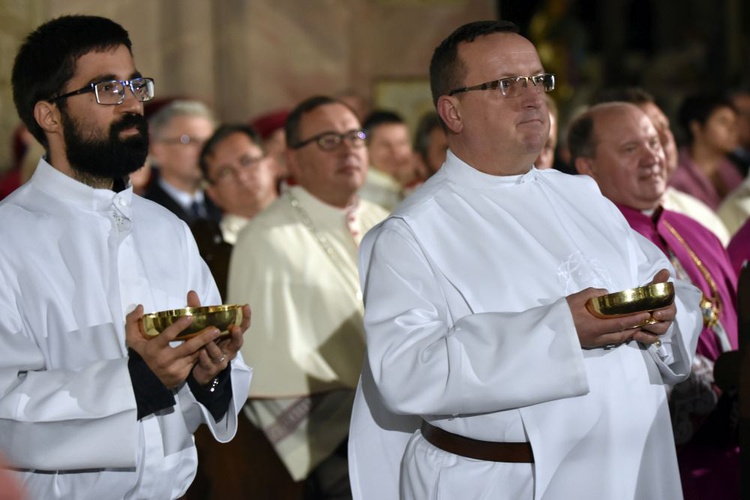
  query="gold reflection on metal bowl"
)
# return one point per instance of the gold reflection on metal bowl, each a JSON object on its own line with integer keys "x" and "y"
{"x": 222, "y": 317}
{"x": 633, "y": 300}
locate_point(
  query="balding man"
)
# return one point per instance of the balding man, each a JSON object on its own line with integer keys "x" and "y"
{"x": 672, "y": 199}
{"x": 618, "y": 145}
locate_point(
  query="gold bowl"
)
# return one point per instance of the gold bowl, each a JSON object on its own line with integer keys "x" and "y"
{"x": 631, "y": 301}
{"x": 222, "y": 317}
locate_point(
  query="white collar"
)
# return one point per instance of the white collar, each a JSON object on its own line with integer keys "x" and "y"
{"x": 183, "y": 198}
{"x": 463, "y": 174}
{"x": 69, "y": 190}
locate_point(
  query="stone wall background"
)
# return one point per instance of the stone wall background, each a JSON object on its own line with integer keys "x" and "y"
{"x": 246, "y": 57}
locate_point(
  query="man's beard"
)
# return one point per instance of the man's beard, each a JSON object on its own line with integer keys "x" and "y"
{"x": 107, "y": 157}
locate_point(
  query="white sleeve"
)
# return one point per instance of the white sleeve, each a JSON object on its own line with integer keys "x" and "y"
{"x": 425, "y": 364}
{"x": 62, "y": 419}
{"x": 674, "y": 356}
{"x": 202, "y": 282}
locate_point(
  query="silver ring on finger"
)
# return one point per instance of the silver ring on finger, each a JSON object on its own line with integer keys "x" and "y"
{"x": 223, "y": 357}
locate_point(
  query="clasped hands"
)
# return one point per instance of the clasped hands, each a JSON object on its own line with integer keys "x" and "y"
{"x": 643, "y": 327}
{"x": 202, "y": 355}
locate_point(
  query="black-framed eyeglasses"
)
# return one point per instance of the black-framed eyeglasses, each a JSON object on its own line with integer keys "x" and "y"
{"x": 513, "y": 86}
{"x": 112, "y": 92}
{"x": 328, "y": 141}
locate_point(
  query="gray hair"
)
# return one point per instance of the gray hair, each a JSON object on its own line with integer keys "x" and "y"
{"x": 164, "y": 116}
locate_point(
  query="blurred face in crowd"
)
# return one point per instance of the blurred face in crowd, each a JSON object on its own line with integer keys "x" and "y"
{"x": 437, "y": 149}
{"x": 275, "y": 146}
{"x": 742, "y": 103}
{"x": 547, "y": 156}
{"x": 332, "y": 176}
{"x": 666, "y": 137}
{"x": 390, "y": 151}
{"x": 176, "y": 149}
{"x": 628, "y": 161}
{"x": 497, "y": 134}
{"x": 101, "y": 141}
{"x": 242, "y": 180}
{"x": 719, "y": 133}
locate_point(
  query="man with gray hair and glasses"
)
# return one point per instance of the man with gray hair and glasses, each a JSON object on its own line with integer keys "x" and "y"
{"x": 486, "y": 375}
{"x": 90, "y": 407}
{"x": 178, "y": 131}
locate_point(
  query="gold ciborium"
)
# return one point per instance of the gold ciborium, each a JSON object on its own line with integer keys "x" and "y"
{"x": 634, "y": 300}
{"x": 221, "y": 316}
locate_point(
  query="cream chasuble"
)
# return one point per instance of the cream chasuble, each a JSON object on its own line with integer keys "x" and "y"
{"x": 382, "y": 189}
{"x": 677, "y": 201}
{"x": 295, "y": 264}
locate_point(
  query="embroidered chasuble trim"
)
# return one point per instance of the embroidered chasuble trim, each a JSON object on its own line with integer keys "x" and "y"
{"x": 710, "y": 307}
{"x": 289, "y": 420}
{"x": 321, "y": 238}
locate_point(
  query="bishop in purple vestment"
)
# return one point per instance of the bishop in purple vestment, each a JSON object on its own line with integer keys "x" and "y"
{"x": 617, "y": 145}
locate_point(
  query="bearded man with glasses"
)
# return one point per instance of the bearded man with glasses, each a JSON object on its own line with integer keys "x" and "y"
{"x": 296, "y": 262}
{"x": 91, "y": 407}
{"x": 486, "y": 375}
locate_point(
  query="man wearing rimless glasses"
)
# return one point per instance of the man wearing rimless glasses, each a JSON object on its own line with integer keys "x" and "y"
{"x": 486, "y": 376}
{"x": 91, "y": 407}
{"x": 178, "y": 131}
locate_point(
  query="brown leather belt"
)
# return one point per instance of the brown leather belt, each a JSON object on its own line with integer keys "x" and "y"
{"x": 478, "y": 450}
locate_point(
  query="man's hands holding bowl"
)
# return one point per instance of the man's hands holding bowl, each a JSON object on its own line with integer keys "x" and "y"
{"x": 202, "y": 354}
{"x": 595, "y": 332}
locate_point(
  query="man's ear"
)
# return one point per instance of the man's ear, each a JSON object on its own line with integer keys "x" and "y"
{"x": 47, "y": 115}
{"x": 584, "y": 166}
{"x": 449, "y": 110}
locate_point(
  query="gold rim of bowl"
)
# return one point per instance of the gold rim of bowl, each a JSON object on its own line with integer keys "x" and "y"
{"x": 153, "y": 323}
{"x": 632, "y": 301}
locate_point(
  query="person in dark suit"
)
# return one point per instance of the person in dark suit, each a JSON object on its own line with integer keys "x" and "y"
{"x": 178, "y": 131}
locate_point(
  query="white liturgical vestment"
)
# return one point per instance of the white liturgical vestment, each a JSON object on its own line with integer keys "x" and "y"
{"x": 468, "y": 327}
{"x": 74, "y": 261}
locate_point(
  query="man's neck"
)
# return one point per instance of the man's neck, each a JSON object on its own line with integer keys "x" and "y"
{"x": 62, "y": 164}
{"x": 93, "y": 181}
{"x": 338, "y": 200}
{"x": 500, "y": 166}
{"x": 251, "y": 211}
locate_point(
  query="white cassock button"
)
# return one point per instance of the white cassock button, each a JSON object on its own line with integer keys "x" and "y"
{"x": 123, "y": 202}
